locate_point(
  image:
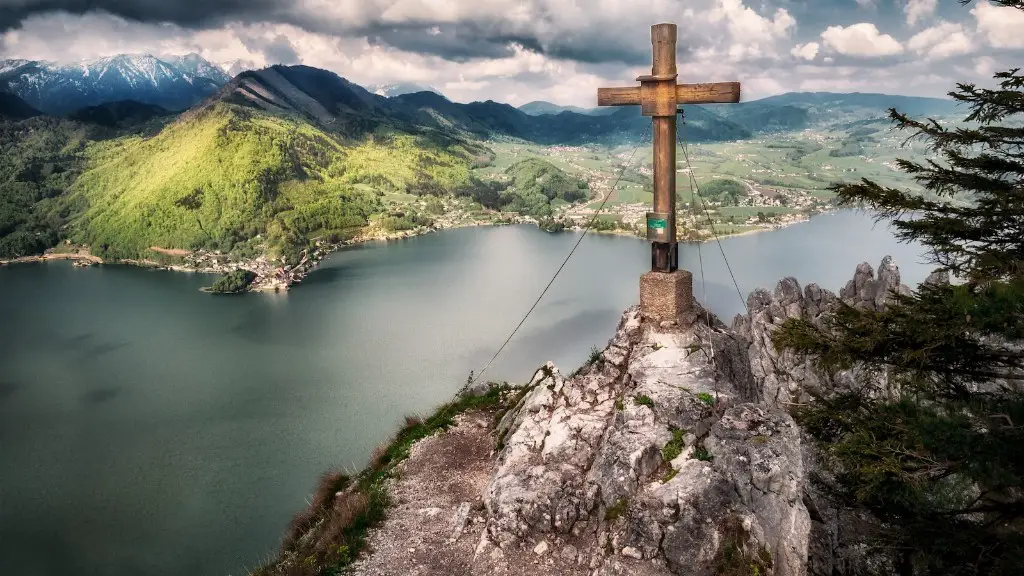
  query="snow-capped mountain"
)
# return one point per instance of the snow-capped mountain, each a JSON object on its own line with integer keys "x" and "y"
{"x": 59, "y": 89}
{"x": 199, "y": 67}
{"x": 391, "y": 90}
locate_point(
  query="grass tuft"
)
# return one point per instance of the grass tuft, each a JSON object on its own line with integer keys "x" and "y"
{"x": 644, "y": 400}
{"x": 701, "y": 453}
{"x": 674, "y": 447}
{"x": 706, "y": 398}
{"x": 596, "y": 359}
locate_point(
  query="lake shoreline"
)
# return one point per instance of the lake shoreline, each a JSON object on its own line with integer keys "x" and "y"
{"x": 271, "y": 278}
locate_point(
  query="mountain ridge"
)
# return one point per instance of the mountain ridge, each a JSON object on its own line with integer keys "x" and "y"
{"x": 59, "y": 89}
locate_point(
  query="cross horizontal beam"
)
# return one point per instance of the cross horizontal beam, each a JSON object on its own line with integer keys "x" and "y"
{"x": 711, "y": 93}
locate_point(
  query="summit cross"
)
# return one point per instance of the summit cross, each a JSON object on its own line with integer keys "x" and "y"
{"x": 665, "y": 292}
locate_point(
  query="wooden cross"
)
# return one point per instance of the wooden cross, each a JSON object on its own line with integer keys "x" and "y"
{"x": 658, "y": 95}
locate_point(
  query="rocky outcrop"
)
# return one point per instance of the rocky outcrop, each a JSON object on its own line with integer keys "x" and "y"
{"x": 646, "y": 462}
{"x": 783, "y": 378}
{"x": 674, "y": 452}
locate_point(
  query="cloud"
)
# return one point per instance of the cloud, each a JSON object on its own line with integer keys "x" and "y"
{"x": 752, "y": 35}
{"x": 919, "y": 9}
{"x": 861, "y": 40}
{"x": 279, "y": 50}
{"x": 520, "y": 50}
{"x": 940, "y": 41}
{"x": 1002, "y": 27}
{"x": 805, "y": 51}
{"x": 187, "y": 13}
{"x": 583, "y": 30}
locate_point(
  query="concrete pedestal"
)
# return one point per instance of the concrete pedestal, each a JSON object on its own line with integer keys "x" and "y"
{"x": 667, "y": 296}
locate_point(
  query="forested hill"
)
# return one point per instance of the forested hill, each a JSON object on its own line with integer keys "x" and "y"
{"x": 265, "y": 168}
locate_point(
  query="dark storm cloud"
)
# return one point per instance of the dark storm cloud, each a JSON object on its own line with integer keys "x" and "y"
{"x": 186, "y": 13}
{"x": 468, "y": 40}
{"x": 277, "y": 50}
{"x": 457, "y": 43}
{"x": 280, "y": 50}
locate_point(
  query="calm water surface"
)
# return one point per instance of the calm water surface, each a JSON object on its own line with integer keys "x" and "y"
{"x": 148, "y": 429}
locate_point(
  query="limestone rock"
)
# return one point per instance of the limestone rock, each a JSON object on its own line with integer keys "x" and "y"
{"x": 583, "y": 459}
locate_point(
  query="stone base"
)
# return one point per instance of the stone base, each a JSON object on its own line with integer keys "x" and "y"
{"x": 667, "y": 296}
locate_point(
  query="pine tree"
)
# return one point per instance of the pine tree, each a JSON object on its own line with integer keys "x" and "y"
{"x": 937, "y": 454}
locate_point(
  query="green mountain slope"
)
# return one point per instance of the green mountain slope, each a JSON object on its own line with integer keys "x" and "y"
{"x": 229, "y": 176}
{"x": 40, "y": 159}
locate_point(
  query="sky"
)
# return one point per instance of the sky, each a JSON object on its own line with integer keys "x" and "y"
{"x": 516, "y": 51}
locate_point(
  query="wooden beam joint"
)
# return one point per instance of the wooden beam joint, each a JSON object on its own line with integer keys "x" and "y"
{"x": 714, "y": 93}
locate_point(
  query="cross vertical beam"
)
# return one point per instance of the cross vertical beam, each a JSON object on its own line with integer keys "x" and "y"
{"x": 665, "y": 255}
{"x": 666, "y": 291}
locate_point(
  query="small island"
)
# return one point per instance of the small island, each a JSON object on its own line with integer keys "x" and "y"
{"x": 234, "y": 282}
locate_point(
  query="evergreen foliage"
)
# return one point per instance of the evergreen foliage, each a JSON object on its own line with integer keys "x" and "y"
{"x": 535, "y": 183}
{"x": 937, "y": 453}
{"x": 39, "y": 159}
{"x": 233, "y": 282}
{"x": 724, "y": 190}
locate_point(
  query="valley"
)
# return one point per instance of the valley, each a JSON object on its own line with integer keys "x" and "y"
{"x": 279, "y": 167}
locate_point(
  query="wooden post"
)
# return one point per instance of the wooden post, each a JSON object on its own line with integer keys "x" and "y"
{"x": 665, "y": 255}
{"x": 665, "y": 297}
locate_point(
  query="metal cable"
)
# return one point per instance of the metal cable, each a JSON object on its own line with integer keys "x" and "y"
{"x": 566, "y": 261}
{"x": 693, "y": 181}
{"x": 700, "y": 255}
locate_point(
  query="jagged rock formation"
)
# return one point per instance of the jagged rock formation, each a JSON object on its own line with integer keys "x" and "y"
{"x": 674, "y": 452}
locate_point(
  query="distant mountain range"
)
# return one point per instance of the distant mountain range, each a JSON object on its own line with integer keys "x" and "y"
{"x": 335, "y": 103}
{"x": 790, "y": 111}
{"x": 175, "y": 84}
{"x": 541, "y": 108}
{"x": 392, "y": 90}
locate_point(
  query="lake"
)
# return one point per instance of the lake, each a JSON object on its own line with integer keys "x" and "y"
{"x": 149, "y": 429}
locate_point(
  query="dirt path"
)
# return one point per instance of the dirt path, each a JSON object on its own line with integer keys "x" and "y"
{"x": 436, "y": 518}
{"x": 435, "y": 524}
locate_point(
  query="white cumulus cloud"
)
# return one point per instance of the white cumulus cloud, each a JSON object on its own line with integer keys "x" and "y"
{"x": 752, "y": 35}
{"x": 805, "y": 51}
{"x": 861, "y": 40}
{"x": 1002, "y": 27}
{"x": 941, "y": 41}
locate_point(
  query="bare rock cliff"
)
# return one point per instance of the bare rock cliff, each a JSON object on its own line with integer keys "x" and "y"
{"x": 674, "y": 452}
